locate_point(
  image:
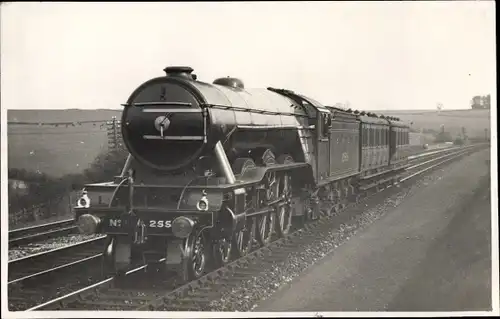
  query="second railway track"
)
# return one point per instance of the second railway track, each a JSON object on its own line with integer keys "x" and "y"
{"x": 134, "y": 291}
{"x": 27, "y": 235}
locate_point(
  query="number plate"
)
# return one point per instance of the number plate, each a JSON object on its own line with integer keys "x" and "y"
{"x": 126, "y": 224}
{"x": 160, "y": 224}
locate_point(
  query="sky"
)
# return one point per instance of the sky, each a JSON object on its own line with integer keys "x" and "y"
{"x": 375, "y": 55}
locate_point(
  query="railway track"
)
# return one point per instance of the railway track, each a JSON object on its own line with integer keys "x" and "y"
{"x": 33, "y": 277}
{"x": 31, "y": 234}
{"x": 134, "y": 291}
{"x": 431, "y": 154}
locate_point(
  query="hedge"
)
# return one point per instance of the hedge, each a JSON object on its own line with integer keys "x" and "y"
{"x": 45, "y": 194}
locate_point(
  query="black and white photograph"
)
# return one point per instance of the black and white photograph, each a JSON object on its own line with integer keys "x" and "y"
{"x": 249, "y": 159}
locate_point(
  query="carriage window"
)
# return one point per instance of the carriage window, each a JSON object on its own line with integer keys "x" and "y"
{"x": 367, "y": 136}
{"x": 374, "y": 137}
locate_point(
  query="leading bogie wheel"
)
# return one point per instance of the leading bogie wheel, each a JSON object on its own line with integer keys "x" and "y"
{"x": 195, "y": 258}
{"x": 222, "y": 250}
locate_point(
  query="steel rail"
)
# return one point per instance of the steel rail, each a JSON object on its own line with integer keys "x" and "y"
{"x": 38, "y": 232}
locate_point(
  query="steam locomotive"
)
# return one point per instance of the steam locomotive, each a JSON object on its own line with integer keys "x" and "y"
{"x": 215, "y": 169}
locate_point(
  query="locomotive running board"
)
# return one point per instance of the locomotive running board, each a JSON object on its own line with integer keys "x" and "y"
{"x": 253, "y": 176}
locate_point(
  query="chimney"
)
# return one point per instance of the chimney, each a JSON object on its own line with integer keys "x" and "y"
{"x": 179, "y": 71}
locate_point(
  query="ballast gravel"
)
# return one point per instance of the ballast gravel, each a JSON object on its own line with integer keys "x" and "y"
{"x": 50, "y": 244}
{"x": 261, "y": 286}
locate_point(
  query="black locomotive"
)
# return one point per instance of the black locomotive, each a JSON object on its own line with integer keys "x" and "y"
{"x": 215, "y": 168}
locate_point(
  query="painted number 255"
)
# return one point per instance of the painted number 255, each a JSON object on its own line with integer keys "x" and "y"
{"x": 160, "y": 223}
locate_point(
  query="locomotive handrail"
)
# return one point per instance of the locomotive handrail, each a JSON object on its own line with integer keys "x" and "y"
{"x": 158, "y": 104}
{"x": 174, "y": 138}
{"x": 264, "y": 127}
{"x": 249, "y": 110}
{"x": 172, "y": 110}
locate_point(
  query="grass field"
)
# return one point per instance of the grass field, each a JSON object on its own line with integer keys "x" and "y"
{"x": 56, "y": 150}
{"x": 474, "y": 121}
{"x": 70, "y": 149}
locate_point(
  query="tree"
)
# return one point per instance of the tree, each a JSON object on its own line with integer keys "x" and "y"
{"x": 486, "y": 101}
{"x": 481, "y": 102}
{"x": 476, "y": 102}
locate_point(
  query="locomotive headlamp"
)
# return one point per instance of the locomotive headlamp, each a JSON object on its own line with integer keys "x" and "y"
{"x": 87, "y": 224}
{"x": 182, "y": 227}
{"x": 84, "y": 201}
{"x": 202, "y": 204}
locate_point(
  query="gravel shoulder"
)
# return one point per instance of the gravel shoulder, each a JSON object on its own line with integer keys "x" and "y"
{"x": 47, "y": 245}
{"x": 430, "y": 253}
